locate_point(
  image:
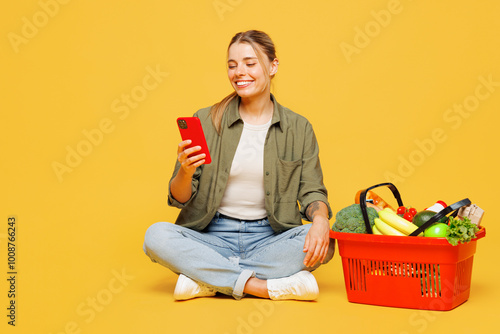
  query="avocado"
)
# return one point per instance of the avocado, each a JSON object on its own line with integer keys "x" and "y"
{"x": 422, "y": 217}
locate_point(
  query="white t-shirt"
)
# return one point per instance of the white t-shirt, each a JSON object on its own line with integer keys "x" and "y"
{"x": 244, "y": 194}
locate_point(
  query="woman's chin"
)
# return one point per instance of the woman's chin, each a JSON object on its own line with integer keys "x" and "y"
{"x": 245, "y": 94}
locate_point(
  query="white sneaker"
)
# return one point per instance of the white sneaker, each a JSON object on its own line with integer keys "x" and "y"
{"x": 300, "y": 286}
{"x": 186, "y": 288}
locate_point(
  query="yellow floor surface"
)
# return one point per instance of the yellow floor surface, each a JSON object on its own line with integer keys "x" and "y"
{"x": 134, "y": 295}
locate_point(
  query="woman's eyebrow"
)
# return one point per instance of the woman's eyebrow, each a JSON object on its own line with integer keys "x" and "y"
{"x": 246, "y": 58}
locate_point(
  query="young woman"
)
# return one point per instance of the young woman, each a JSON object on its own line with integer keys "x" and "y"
{"x": 240, "y": 227}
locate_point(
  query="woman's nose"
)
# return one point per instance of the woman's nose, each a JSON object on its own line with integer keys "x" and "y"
{"x": 240, "y": 70}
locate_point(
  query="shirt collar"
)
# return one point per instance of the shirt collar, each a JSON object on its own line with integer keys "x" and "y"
{"x": 233, "y": 114}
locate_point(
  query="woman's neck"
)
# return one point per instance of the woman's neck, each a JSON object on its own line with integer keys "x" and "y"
{"x": 256, "y": 110}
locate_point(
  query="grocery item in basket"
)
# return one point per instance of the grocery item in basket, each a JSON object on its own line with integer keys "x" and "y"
{"x": 461, "y": 230}
{"x": 393, "y": 220}
{"x": 387, "y": 229}
{"x": 406, "y": 212}
{"x": 376, "y": 231}
{"x": 377, "y": 200}
{"x": 473, "y": 212}
{"x": 422, "y": 217}
{"x": 437, "y": 230}
{"x": 350, "y": 219}
{"x": 438, "y": 206}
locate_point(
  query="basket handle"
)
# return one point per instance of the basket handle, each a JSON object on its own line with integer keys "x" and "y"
{"x": 452, "y": 208}
{"x": 362, "y": 201}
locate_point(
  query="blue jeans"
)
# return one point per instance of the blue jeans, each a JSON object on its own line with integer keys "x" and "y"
{"x": 229, "y": 251}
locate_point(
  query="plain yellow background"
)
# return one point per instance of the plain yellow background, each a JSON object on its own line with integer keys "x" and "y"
{"x": 381, "y": 81}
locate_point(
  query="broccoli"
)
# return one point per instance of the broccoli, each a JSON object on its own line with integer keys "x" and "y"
{"x": 350, "y": 219}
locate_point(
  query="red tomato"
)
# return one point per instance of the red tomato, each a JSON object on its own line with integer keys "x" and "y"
{"x": 412, "y": 211}
{"x": 401, "y": 210}
{"x": 408, "y": 216}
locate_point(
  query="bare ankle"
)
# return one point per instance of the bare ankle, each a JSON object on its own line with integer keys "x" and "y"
{"x": 256, "y": 287}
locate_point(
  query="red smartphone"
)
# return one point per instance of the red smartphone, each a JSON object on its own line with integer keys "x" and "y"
{"x": 190, "y": 128}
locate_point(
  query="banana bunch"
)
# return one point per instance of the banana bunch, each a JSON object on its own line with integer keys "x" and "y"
{"x": 390, "y": 223}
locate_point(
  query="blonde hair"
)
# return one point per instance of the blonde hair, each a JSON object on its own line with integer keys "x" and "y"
{"x": 263, "y": 46}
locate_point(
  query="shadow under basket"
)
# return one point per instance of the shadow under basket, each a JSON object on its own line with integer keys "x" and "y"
{"x": 409, "y": 272}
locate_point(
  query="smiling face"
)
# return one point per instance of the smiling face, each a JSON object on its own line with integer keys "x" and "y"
{"x": 248, "y": 76}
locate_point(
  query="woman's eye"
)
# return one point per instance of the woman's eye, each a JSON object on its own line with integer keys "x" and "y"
{"x": 231, "y": 66}
{"x": 251, "y": 64}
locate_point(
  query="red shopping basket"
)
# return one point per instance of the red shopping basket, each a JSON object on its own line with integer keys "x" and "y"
{"x": 409, "y": 272}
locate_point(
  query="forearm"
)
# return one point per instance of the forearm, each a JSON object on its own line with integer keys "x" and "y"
{"x": 180, "y": 187}
{"x": 317, "y": 209}
{"x": 317, "y": 239}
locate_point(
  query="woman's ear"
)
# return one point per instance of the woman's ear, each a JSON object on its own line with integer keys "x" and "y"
{"x": 274, "y": 67}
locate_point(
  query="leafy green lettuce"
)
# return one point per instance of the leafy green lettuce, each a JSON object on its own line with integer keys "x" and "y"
{"x": 460, "y": 230}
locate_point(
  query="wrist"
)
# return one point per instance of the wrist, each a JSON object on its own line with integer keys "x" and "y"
{"x": 182, "y": 175}
{"x": 320, "y": 220}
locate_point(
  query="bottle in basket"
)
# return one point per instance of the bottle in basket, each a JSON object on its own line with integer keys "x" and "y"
{"x": 438, "y": 206}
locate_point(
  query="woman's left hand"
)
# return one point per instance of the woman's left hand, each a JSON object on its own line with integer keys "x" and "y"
{"x": 317, "y": 241}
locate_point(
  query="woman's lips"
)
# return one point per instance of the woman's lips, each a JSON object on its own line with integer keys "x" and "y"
{"x": 243, "y": 84}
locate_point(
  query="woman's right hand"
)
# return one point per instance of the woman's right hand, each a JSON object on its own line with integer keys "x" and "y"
{"x": 180, "y": 187}
{"x": 189, "y": 163}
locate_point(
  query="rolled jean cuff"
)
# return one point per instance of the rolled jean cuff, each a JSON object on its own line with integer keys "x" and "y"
{"x": 240, "y": 283}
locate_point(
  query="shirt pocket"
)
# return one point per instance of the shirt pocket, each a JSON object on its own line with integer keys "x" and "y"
{"x": 288, "y": 176}
{"x": 287, "y": 214}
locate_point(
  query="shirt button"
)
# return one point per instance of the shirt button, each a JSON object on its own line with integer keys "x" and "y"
{"x": 268, "y": 193}
{"x": 267, "y": 173}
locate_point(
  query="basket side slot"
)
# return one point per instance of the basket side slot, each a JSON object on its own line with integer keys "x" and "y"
{"x": 430, "y": 279}
{"x": 356, "y": 278}
{"x": 463, "y": 276}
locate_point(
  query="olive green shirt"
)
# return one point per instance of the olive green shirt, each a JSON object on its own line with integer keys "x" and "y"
{"x": 292, "y": 172}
